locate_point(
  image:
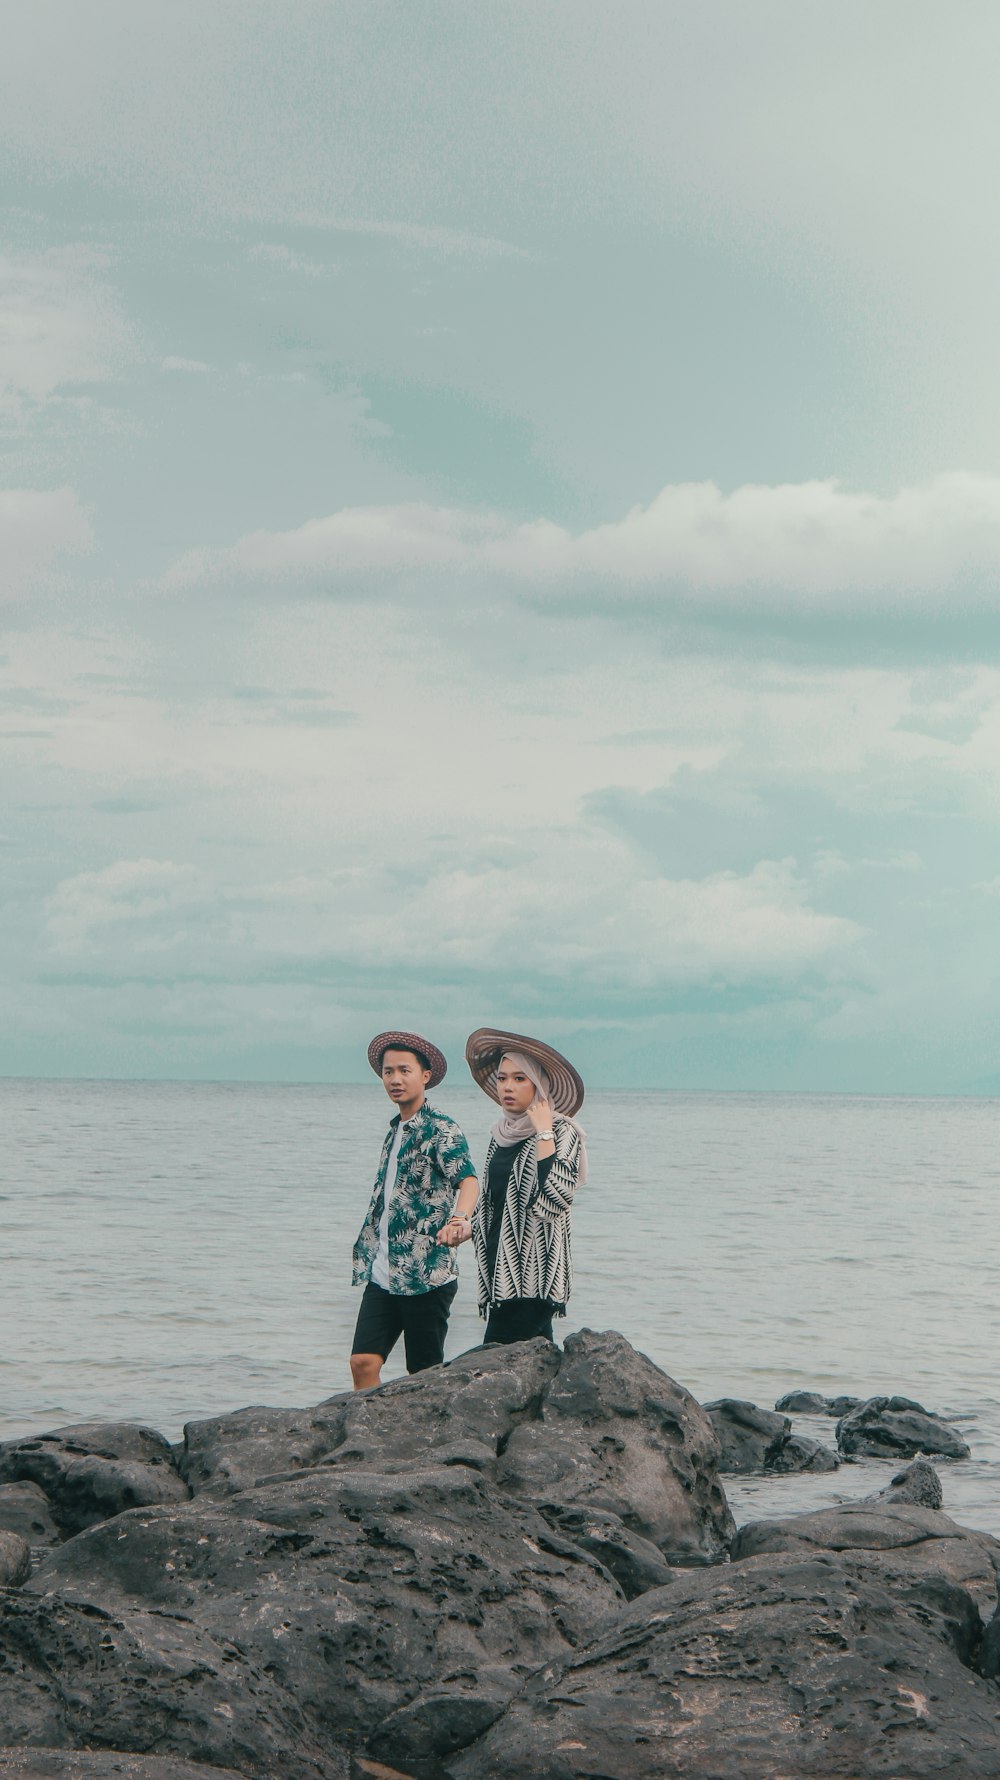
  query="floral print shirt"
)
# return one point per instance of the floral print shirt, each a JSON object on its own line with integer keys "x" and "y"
{"x": 432, "y": 1163}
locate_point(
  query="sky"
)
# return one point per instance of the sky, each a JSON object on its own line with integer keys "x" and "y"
{"x": 500, "y": 524}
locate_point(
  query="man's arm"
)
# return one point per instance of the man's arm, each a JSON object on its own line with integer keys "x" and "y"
{"x": 459, "y": 1226}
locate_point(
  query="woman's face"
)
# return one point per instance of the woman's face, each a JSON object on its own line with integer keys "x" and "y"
{"x": 516, "y": 1090}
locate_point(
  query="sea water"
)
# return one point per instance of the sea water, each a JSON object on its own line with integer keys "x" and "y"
{"x": 176, "y": 1250}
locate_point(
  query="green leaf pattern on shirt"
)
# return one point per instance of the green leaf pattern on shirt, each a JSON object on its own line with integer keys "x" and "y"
{"x": 433, "y": 1159}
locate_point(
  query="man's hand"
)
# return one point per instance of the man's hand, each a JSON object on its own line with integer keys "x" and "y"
{"x": 456, "y": 1230}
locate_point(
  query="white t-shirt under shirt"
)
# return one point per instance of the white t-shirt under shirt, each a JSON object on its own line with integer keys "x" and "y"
{"x": 380, "y": 1265}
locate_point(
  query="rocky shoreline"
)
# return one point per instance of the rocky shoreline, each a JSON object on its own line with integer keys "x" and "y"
{"x": 521, "y": 1564}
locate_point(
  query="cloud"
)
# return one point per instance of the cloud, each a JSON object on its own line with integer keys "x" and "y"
{"x": 37, "y": 526}
{"x": 195, "y": 365}
{"x": 581, "y": 915}
{"x": 431, "y": 237}
{"x": 795, "y": 547}
{"x": 60, "y": 325}
{"x": 145, "y": 897}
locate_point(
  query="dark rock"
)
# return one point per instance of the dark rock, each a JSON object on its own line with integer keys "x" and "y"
{"x": 15, "y": 1559}
{"x": 748, "y": 1436}
{"x": 798, "y": 1453}
{"x": 25, "y": 1509}
{"x": 989, "y": 1653}
{"x": 635, "y": 1563}
{"x": 896, "y": 1427}
{"x": 226, "y": 1453}
{"x": 102, "y": 1764}
{"x": 94, "y": 1470}
{"x": 918, "y": 1484}
{"x": 842, "y": 1405}
{"x": 754, "y": 1439}
{"x": 75, "y": 1675}
{"x": 462, "y": 1413}
{"x": 920, "y": 1540}
{"x": 802, "y": 1403}
{"x": 614, "y": 1432}
{"x": 814, "y": 1668}
{"x": 355, "y": 1594}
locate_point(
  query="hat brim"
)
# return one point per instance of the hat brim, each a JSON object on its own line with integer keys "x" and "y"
{"x": 408, "y": 1041}
{"x": 485, "y": 1048}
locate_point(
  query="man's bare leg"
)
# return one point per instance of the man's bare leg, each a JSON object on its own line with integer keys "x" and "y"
{"x": 366, "y": 1371}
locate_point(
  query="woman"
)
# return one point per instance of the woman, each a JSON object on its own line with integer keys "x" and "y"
{"x": 536, "y": 1159}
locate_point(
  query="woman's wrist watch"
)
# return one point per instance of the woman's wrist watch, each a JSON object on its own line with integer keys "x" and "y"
{"x": 545, "y": 1136}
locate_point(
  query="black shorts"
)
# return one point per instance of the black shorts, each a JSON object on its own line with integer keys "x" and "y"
{"x": 519, "y": 1319}
{"x": 421, "y": 1318}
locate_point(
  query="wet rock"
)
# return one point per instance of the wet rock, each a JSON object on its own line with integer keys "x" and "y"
{"x": 922, "y": 1541}
{"x": 754, "y": 1439}
{"x": 25, "y": 1509}
{"x": 988, "y": 1663}
{"x": 15, "y": 1559}
{"x": 813, "y": 1667}
{"x": 918, "y": 1484}
{"x": 94, "y": 1470}
{"x": 614, "y": 1432}
{"x": 748, "y": 1436}
{"x": 75, "y": 1675}
{"x": 635, "y": 1563}
{"x": 842, "y": 1405}
{"x": 802, "y": 1403}
{"x": 102, "y": 1764}
{"x": 798, "y": 1453}
{"x": 896, "y": 1427}
{"x": 355, "y": 1594}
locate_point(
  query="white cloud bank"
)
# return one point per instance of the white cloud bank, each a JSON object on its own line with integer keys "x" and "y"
{"x": 37, "y": 527}
{"x": 808, "y": 545}
{"x": 582, "y": 914}
{"x": 60, "y": 325}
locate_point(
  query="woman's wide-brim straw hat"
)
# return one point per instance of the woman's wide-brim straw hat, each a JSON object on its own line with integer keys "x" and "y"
{"x": 408, "y": 1041}
{"x": 486, "y": 1047}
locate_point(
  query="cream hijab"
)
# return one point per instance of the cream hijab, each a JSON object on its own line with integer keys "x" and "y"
{"x": 510, "y": 1129}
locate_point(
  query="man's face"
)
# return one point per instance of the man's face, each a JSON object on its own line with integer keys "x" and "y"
{"x": 403, "y": 1076}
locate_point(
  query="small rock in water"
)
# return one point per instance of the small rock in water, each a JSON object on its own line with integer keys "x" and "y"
{"x": 896, "y": 1427}
{"x": 802, "y": 1403}
{"x": 801, "y": 1454}
{"x": 919, "y": 1484}
{"x": 754, "y": 1439}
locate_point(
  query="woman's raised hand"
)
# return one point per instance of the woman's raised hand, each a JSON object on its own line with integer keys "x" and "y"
{"x": 540, "y": 1114}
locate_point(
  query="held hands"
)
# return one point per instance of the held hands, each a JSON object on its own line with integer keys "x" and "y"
{"x": 456, "y": 1230}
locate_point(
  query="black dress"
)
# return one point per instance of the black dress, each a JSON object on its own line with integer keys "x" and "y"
{"x": 516, "y": 1319}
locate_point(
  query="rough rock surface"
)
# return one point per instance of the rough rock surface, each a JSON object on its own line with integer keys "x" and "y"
{"x": 754, "y": 1439}
{"x": 894, "y": 1428}
{"x": 614, "y": 1432}
{"x": 24, "y": 1509}
{"x": 15, "y": 1559}
{"x": 77, "y": 1676}
{"x": 103, "y": 1764}
{"x": 919, "y": 1484}
{"x": 93, "y": 1470}
{"x": 920, "y": 1540}
{"x": 635, "y": 1563}
{"x": 814, "y": 1403}
{"x": 803, "y": 1668}
{"x": 798, "y": 1453}
{"x": 357, "y": 1594}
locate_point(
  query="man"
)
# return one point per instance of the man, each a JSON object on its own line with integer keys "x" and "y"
{"x": 421, "y": 1209}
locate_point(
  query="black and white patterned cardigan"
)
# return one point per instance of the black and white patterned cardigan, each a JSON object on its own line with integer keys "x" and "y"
{"x": 534, "y": 1253}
